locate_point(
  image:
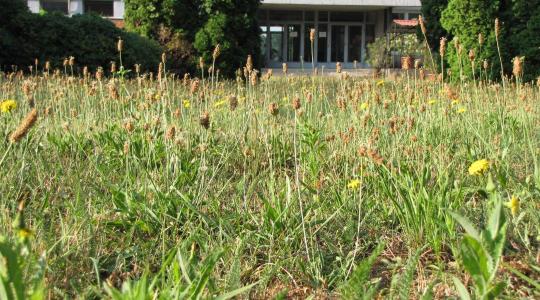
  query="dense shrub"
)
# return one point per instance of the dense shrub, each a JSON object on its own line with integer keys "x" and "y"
{"x": 89, "y": 38}
{"x": 432, "y": 11}
{"x": 233, "y": 25}
{"x": 189, "y": 29}
{"x": 524, "y": 35}
{"x": 465, "y": 20}
{"x": 173, "y": 23}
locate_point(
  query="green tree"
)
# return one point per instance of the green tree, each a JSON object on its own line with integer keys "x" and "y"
{"x": 465, "y": 20}
{"x": 524, "y": 37}
{"x": 432, "y": 11}
{"x": 233, "y": 25}
{"x": 173, "y": 23}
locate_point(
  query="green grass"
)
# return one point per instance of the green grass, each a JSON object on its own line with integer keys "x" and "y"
{"x": 258, "y": 205}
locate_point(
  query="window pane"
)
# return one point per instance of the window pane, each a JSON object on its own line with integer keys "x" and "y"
{"x": 307, "y": 42}
{"x": 398, "y": 16}
{"x": 413, "y": 16}
{"x": 285, "y": 15}
{"x": 55, "y": 6}
{"x": 276, "y": 43}
{"x": 338, "y": 43}
{"x": 346, "y": 16}
{"x": 293, "y": 44}
{"x": 323, "y": 16}
{"x": 264, "y": 42}
{"x": 355, "y": 43}
{"x": 104, "y": 8}
{"x": 322, "y": 40}
{"x": 309, "y": 16}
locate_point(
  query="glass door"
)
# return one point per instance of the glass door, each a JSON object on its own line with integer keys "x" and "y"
{"x": 293, "y": 42}
{"x": 276, "y": 43}
{"x": 338, "y": 43}
{"x": 355, "y": 43}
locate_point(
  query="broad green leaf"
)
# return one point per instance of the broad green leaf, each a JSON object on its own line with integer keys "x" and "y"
{"x": 462, "y": 290}
{"x": 236, "y": 292}
{"x": 467, "y": 225}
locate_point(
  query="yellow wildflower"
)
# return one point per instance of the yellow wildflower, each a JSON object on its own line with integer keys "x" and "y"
{"x": 454, "y": 102}
{"x": 432, "y": 101}
{"x": 220, "y": 103}
{"x": 380, "y": 82}
{"x": 461, "y": 110}
{"x": 513, "y": 204}
{"x": 479, "y": 167}
{"x": 364, "y": 106}
{"x": 8, "y": 105}
{"x": 354, "y": 184}
{"x": 186, "y": 103}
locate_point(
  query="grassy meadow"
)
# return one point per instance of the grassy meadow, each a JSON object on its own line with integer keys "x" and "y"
{"x": 279, "y": 187}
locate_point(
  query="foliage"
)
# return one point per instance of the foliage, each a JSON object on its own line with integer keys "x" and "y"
{"x": 432, "y": 11}
{"x": 90, "y": 39}
{"x": 523, "y": 35}
{"x": 465, "y": 20}
{"x": 377, "y": 53}
{"x": 232, "y": 25}
{"x": 481, "y": 252}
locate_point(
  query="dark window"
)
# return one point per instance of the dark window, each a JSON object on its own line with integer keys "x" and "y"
{"x": 398, "y": 16}
{"x": 55, "y": 6}
{"x": 285, "y": 15}
{"x": 413, "y": 16}
{"x": 261, "y": 15}
{"x": 310, "y": 16}
{"x": 323, "y": 16}
{"x": 104, "y": 8}
{"x": 347, "y": 16}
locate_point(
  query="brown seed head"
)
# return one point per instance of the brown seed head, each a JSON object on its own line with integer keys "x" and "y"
{"x": 442, "y": 48}
{"x": 480, "y": 39}
{"x": 312, "y": 35}
{"x": 24, "y": 126}
{"x": 233, "y": 102}
{"x": 120, "y": 45}
{"x": 296, "y": 103}
{"x": 170, "y": 134}
{"x": 472, "y": 55}
{"x": 205, "y": 120}
{"x": 273, "y": 109}
{"x": 422, "y": 25}
{"x": 217, "y": 51}
{"x": 249, "y": 64}
{"x": 518, "y": 66}
{"x": 497, "y": 28}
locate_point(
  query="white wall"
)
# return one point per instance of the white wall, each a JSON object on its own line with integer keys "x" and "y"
{"x": 118, "y": 6}
{"x": 76, "y": 7}
{"x": 33, "y": 5}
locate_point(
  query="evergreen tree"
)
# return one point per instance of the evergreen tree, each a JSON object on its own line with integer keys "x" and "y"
{"x": 173, "y": 23}
{"x": 524, "y": 35}
{"x": 432, "y": 11}
{"x": 233, "y": 25}
{"x": 465, "y": 20}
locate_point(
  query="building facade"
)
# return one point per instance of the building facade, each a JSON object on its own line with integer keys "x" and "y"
{"x": 343, "y": 28}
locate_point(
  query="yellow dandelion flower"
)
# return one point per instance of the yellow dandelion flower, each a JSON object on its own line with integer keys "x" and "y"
{"x": 479, "y": 167}
{"x": 432, "y": 101}
{"x": 461, "y": 110}
{"x": 454, "y": 102}
{"x": 513, "y": 204}
{"x": 220, "y": 103}
{"x": 354, "y": 184}
{"x": 380, "y": 82}
{"x": 364, "y": 106}
{"x": 186, "y": 103}
{"x": 8, "y": 105}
